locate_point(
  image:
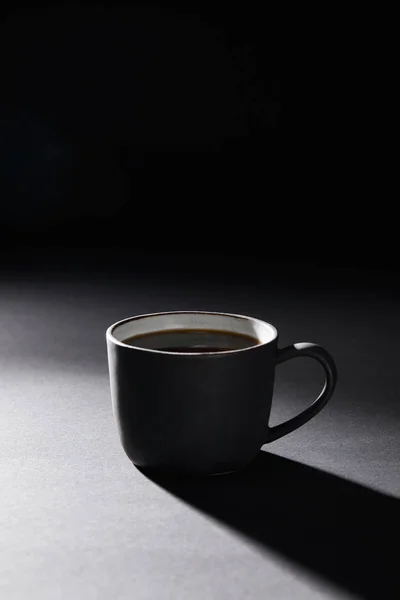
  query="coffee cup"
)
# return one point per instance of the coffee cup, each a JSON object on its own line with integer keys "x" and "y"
{"x": 192, "y": 390}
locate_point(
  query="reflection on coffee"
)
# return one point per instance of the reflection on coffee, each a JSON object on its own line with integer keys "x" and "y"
{"x": 192, "y": 341}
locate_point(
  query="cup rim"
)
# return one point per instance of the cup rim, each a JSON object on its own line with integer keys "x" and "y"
{"x": 111, "y": 338}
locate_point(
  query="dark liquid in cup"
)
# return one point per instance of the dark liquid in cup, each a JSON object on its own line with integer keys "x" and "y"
{"x": 192, "y": 340}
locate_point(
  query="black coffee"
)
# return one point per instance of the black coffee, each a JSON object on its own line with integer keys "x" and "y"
{"x": 192, "y": 340}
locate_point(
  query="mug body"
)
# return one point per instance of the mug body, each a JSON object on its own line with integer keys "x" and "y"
{"x": 199, "y": 412}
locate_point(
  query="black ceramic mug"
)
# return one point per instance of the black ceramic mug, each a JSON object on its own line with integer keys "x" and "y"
{"x": 201, "y": 412}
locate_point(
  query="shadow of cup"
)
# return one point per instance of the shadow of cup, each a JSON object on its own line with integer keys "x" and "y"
{"x": 345, "y": 532}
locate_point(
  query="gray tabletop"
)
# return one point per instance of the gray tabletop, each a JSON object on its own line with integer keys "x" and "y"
{"x": 314, "y": 517}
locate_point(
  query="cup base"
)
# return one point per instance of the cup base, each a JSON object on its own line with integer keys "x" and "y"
{"x": 156, "y": 472}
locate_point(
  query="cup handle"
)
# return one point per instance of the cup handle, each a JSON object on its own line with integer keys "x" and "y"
{"x": 326, "y": 360}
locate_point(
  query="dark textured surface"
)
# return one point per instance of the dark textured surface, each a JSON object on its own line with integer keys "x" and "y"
{"x": 77, "y": 520}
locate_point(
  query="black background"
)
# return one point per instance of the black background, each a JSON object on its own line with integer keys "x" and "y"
{"x": 162, "y": 131}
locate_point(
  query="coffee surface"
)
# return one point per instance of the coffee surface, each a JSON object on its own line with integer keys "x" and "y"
{"x": 192, "y": 341}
